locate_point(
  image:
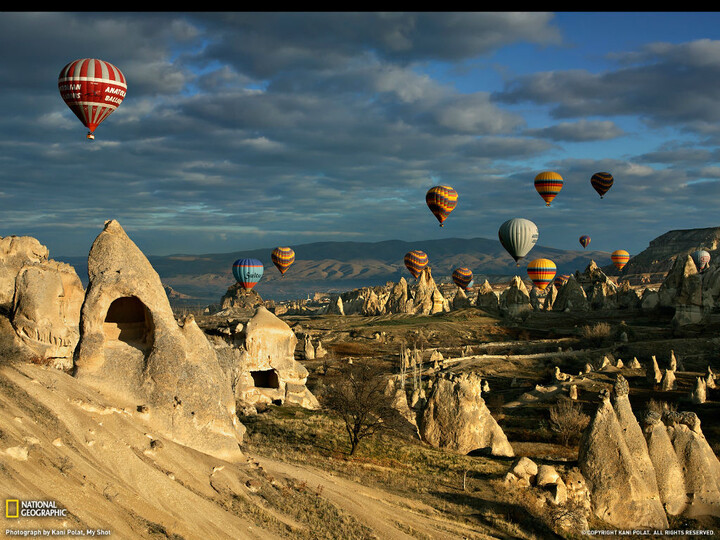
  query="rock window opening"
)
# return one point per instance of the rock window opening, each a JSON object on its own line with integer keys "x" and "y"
{"x": 267, "y": 378}
{"x": 129, "y": 320}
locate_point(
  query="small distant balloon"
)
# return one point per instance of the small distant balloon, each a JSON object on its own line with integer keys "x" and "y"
{"x": 463, "y": 277}
{"x": 518, "y": 236}
{"x": 248, "y": 272}
{"x": 584, "y": 240}
{"x": 701, "y": 258}
{"x": 548, "y": 184}
{"x": 415, "y": 262}
{"x": 541, "y": 272}
{"x": 92, "y": 89}
{"x": 282, "y": 258}
{"x": 620, "y": 258}
{"x": 602, "y": 182}
{"x": 441, "y": 200}
{"x": 561, "y": 280}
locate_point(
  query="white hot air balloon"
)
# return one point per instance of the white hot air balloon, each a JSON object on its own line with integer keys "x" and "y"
{"x": 518, "y": 236}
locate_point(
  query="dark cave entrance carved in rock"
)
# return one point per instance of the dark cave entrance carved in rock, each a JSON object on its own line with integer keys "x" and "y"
{"x": 129, "y": 320}
{"x": 266, "y": 378}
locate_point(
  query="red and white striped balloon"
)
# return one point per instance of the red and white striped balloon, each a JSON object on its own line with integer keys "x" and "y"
{"x": 92, "y": 89}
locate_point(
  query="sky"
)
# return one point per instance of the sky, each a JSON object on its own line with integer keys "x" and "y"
{"x": 255, "y": 130}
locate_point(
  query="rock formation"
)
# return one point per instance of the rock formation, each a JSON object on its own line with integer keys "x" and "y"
{"x": 259, "y": 360}
{"x": 132, "y": 348}
{"x": 571, "y": 297}
{"x": 46, "y": 310}
{"x": 42, "y": 299}
{"x": 620, "y": 494}
{"x": 487, "y": 299}
{"x": 515, "y": 299}
{"x": 455, "y": 417}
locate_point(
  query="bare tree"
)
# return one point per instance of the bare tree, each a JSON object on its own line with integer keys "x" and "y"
{"x": 568, "y": 420}
{"x": 357, "y": 393}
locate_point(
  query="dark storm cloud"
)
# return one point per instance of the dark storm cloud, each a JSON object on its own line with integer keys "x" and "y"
{"x": 583, "y": 130}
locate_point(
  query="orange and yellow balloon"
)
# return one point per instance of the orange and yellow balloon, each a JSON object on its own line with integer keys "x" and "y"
{"x": 548, "y": 184}
{"x": 282, "y": 258}
{"x": 541, "y": 272}
{"x": 620, "y": 258}
{"x": 441, "y": 200}
{"x": 415, "y": 262}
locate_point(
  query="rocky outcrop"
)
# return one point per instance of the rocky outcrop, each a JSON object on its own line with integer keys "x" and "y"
{"x": 258, "y": 359}
{"x": 46, "y": 310}
{"x": 571, "y": 297}
{"x": 487, "y": 299}
{"x": 456, "y": 418}
{"x": 423, "y": 298}
{"x": 239, "y": 301}
{"x": 42, "y": 299}
{"x": 620, "y": 494}
{"x": 515, "y": 299}
{"x": 132, "y": 349}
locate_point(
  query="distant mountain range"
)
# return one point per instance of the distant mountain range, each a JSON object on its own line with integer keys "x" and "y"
{"x": 342, "y": 266}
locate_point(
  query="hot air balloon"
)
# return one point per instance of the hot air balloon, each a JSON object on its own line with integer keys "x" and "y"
{"x": 541, "y": 272}
{"x": 462, "y": 277}
{"x": 441, "y": 200}
{"x": 561, "y": 280}
{"x": 282, "y": 258}
{"x": 248, "y": 272}
{"x": 548, "y": 184}
{"x": 602, "y": 181}
{"x": 92, "y": 89}
{"x": 620, "y": 258}
{"x": 584, "y": 240}
{"x": 518, "y": 236}
{"x": 701, "y": 259}
{"x": 416, "y": 261}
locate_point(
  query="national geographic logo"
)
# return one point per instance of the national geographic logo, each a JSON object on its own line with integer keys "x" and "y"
{"x": 15, "y": 508}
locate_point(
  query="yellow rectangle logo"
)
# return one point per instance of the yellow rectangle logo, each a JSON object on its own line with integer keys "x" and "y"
{"x": 9, "y": 513}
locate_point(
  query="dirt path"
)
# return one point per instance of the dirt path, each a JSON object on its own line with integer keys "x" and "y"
{"x": 391, "y": 517}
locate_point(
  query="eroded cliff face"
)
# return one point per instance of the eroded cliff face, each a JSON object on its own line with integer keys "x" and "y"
{"x": 661, "y": 253}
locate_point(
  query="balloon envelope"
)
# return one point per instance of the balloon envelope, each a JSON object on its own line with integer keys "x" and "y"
{"x": 416, "y": 261}
{"x": 462, "y": 277}
{"x": 548, "y": 184}
{"x": 248, "y": 272}
{"x": 602, "y": 182}
{"x": 541, "y": 272}
{"x": 561, "y": 280}
{"x": 282, "y": 258}
{"x": 701, "y": 259}
{"x": 441, "y": 200}
{"x": 584, "y": 240}
{"x": 92, "y": 89}
{"x": 518, "y": 236}
{"x": 620, "y": 258}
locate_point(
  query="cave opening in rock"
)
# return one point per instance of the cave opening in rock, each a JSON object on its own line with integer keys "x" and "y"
{"x": 267, "y": 378}
{"x": 129, "y": 320}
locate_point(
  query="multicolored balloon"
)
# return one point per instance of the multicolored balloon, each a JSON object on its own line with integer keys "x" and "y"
{"x": 701, "y": 258}
{"x": 92, "y": 89}
{"x": 416, "y": 261}
{"x": 602, "y": 182}
{"x": 282, "y": 258}
{"x": 548, "y": 184}
{"x": 561, "y": 280}
{"x": 248, "y": 272}
{"x": 462, "y": 277}
{"x": 441, "y": 200}
{"x": 620, "y": 258}
{"x": 541, "y": 272}
{"x": 584, "y": 240}
{"x": 518, "y": 236}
